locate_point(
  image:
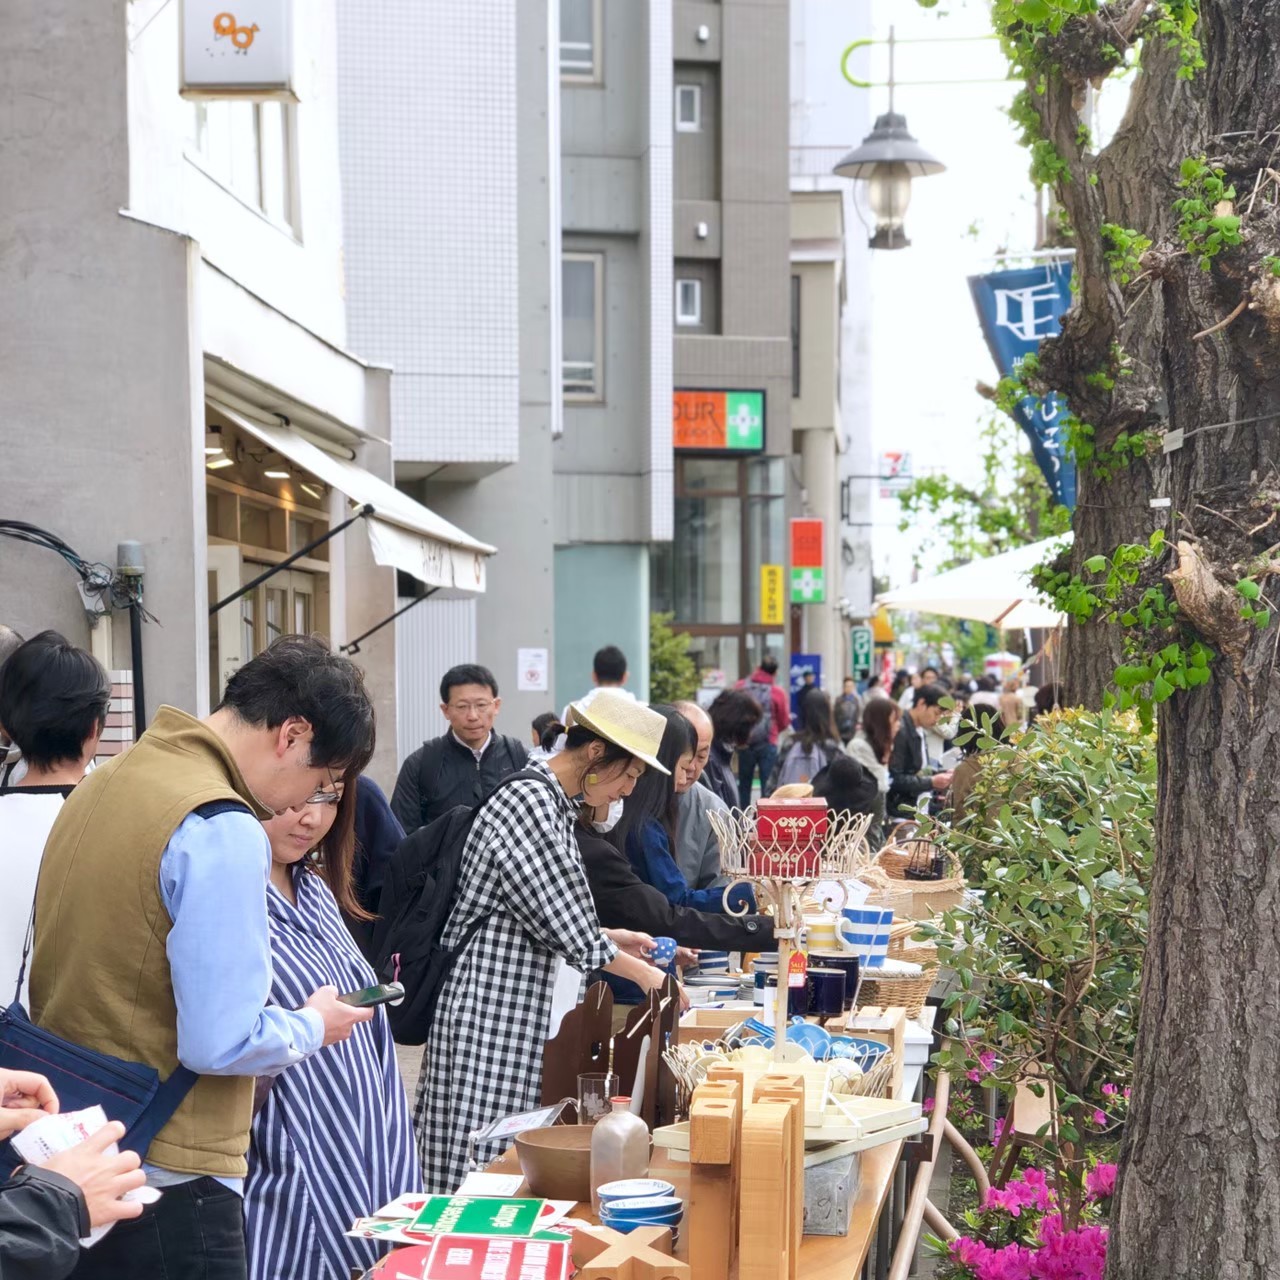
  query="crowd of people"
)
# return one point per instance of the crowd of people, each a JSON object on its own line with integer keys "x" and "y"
{"x": 200, "y": 903}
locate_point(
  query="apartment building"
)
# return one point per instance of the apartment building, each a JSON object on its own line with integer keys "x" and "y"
{"x": 175, "y": 359}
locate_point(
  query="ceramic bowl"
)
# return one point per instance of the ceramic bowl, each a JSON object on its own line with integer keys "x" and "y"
{"x": 556, "y": 1162}
{"x": 634, "y": 1188}
{"x": 645, "y": 1206}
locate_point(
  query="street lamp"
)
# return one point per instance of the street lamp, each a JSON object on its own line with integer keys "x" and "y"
{"x": 887, "y": 159}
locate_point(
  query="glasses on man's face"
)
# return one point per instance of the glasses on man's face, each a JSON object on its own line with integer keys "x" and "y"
{"x": 469, "y": 708}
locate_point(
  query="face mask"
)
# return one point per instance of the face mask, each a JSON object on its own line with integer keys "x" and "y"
{"x": 611, "y": 820}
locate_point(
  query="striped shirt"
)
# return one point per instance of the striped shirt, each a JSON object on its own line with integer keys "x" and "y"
{"x": 333, "y": 1141}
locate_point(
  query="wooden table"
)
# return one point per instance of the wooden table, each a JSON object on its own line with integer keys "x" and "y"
{"x": 821, "y": 1257}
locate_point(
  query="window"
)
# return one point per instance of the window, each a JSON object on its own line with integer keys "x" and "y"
{"x": 688, "y": 302}
{"x": 580, "y": 41}
{"x": 795, "y": 336}
{"x": 582, "y": 276}
{"x": 688, "y": 108}
{"x": 248, "y": 147}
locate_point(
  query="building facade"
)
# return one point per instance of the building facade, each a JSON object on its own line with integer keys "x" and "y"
{"x": 174, "y": 362}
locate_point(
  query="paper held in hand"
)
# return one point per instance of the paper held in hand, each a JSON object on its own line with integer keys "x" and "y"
{"x": 39, "y": 1142}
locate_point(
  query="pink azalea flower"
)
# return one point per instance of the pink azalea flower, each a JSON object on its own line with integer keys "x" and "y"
{"x": 988, "y": 1061}
{"x": 1100, "y": 1181}
{"x": 928, "y": 1106}
{"x": 1110, "y": 1090}
{"x": 1100, "y": 1119}
{"x": 1127, "y": 1091}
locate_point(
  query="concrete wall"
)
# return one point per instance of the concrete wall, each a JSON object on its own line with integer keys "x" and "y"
{"x": 97, "y": 347}
{"x": 602, "y": 597}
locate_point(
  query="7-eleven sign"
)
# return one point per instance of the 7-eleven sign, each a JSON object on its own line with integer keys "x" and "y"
{"x": 808, "y": 571}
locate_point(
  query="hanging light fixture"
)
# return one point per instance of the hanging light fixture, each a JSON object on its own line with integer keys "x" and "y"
{"x": 886, "y": 160}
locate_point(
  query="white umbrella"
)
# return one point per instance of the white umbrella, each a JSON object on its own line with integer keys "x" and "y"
{"x": 996, "y": 590}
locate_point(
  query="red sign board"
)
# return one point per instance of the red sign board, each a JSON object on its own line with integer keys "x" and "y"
{"x": 716, "y": 421}
{"x": 806, "y": 544}
{"x": 482, "y": 1258}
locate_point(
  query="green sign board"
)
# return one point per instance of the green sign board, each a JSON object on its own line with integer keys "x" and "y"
{"x": 463, "y": 1215}
{"x": 862, "y": 646}
{"x": 808, "y": 586}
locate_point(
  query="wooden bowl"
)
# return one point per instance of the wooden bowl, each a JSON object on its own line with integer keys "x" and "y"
{"x": 556, "y": 1162}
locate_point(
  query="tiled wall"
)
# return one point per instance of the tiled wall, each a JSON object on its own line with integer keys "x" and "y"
{"x": 427, "y": 117}
{"x": 119, "y": 731}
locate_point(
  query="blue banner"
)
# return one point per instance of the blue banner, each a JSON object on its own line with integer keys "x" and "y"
{"x": 1017, "y": 310}
{"x": 803, "y": 664}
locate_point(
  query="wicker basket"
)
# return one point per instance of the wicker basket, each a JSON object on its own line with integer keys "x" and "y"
{"x": 928, "y": 897}
{"x": 901, "y": 946}
{"x": 889, "y": 991}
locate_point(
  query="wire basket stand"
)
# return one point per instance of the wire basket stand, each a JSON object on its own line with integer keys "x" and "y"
{"x": 783, "y": 868}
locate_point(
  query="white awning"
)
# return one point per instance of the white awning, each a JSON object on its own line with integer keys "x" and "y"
{"x": 403, "y": 534}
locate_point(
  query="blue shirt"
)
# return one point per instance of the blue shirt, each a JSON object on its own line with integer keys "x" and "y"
{"x": 213, "y": 882}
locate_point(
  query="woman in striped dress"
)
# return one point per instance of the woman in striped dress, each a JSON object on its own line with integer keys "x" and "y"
{"x": 522, "y": 876}
{"x": 333, "y": 1140}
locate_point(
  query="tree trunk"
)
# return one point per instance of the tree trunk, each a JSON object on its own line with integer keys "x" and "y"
{"x": 1199, "y": 1190}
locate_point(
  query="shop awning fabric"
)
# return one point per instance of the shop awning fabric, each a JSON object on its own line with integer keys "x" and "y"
{"x": 403, "y": 534}
{"x": 996, "y": 590}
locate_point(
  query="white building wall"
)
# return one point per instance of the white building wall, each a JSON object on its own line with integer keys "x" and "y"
{"x": 430, "y": 638}
{"x": 428, "y": 127}
{"x": 295, "y": 269}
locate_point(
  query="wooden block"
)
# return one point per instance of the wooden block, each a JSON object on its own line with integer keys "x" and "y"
{"x": 714, "y": 1118}
{"x": 887, "y": 1026}
{"x": 787, "y": 1088}
{"x": 765, "y": 1232}
{"x": 644, "y": 1254}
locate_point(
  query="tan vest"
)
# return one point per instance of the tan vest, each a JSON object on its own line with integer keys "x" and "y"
{"x": 100, "y": 975}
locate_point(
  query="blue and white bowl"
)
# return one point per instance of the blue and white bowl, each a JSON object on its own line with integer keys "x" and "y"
{"x": 634, "y": 1189}
{"x": 648, "y": 1208}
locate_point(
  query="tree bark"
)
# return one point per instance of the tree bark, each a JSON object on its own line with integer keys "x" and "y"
{"x": 1199, "y": 1188}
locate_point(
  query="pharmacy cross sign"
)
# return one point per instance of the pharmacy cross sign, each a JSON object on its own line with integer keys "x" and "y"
{"x": 744, "y": 424}
{"x": 808, "y": 586}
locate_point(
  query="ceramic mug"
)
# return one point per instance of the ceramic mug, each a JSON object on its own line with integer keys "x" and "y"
{"x": 864, "y": 931}
{"x": 821, "y": 932}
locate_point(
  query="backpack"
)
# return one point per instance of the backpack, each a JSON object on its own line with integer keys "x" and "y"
{"x": 798, "y": 765}
{"x": 763, "y": 694}
{"x": 418, "y": 897}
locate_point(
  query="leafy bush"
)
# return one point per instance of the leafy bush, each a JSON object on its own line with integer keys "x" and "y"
{"x": 672, "y": 674}
{"x": 1059, "y": 837}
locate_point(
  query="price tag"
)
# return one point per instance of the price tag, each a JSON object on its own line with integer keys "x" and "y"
{"x": 797, "y": 969}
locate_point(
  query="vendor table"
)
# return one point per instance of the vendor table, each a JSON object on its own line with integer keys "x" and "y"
{"x": 883, "y": 1185}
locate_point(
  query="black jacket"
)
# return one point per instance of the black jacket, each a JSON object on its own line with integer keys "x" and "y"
{"x": 42, "y": 1217}
{"x": 907, "y": 779}
{"x": 624, "y": 901}
{"x": 443, "y": 774}
{"x": 378, "y": 836}
{"x": 718, "y": 777}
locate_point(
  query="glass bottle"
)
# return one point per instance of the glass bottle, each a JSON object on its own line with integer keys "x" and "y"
{"x": 619, "y": 1148}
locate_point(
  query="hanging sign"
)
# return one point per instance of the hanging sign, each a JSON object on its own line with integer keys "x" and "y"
{"x": 862, "y": 645}
{"x": 718, "y": 421}
{"x": 773, "y": 604}
{"x": 238, "y": 49}
{"x": 808, "y": 574}
{"x": 1017, "y": 310}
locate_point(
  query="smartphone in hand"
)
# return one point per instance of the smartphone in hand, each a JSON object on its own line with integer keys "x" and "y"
{"x": 368, "y": 997}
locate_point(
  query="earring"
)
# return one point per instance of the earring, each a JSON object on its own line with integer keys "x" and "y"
{"x": 592, "y": 779}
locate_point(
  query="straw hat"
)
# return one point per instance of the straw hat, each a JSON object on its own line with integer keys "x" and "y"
{"x": 626, "y": 723}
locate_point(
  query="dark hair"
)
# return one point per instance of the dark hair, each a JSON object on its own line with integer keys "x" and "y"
{"x": 578, "y": 736}
{"x": 53, "y": 696}
{"x": 929, "y": 695}
{"x": 769, "y": 663}
{"x": 877, "y": 719}
{"x": 467, "y": 673}
{"x": 849, "y": 680}
{"x": 654, "y": 797}
{"x": 734, "y": 714}
{"x": 816, "y": 723}
{"x": 925, "y": 670}
{"x": 301, "y": 676}
{"x": 988, "y": 684}
{"x": 976, "y": 724}
{"x": 9, "y": 641}
{"x": 847, "y": 786}
{"x": 610, "y": 664}
{"x": 549, "y": 732}
{"x": 337, "y": 852}
{"x": 900, "y": 681}
{"x": 1048, "y": 696}
{"x": 541, "y": 723}
{"x": 873, "y": 682}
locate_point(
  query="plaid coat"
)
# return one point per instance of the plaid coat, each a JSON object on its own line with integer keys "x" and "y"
{"x": 521, "y": 873}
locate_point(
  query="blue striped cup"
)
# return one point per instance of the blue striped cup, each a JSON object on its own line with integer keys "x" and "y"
{"x": 864, "y": 931}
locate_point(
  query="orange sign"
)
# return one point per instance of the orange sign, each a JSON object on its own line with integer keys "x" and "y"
{"x": 806, "y": 544}
{"x": 718, "y": 420}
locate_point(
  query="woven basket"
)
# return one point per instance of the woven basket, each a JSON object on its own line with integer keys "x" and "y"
{"x": 889, "y": 991}
{"x": 901, "y": 946}
{"x": 928, "y": 897}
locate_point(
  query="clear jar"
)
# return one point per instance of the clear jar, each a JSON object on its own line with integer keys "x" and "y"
{"x": 619, "y": 1148}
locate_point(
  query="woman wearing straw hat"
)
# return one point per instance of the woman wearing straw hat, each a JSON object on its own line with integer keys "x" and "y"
{"x": 522, "y": 875}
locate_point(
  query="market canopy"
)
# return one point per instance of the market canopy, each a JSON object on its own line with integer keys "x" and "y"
{"x": 996, "y": 590}
{"x": 403, "y": 534}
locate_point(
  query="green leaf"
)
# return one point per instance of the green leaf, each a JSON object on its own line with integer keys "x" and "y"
{"x": 1161, "y": 689}
{"x": 1096, "y": 564}
{"x": 1248, "y": 588}
{"x": 1262, "y": 617}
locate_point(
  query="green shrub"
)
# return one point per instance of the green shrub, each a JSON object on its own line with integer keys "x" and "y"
{"x": 1060, "y": 841}
{"x": 672, "y": 674}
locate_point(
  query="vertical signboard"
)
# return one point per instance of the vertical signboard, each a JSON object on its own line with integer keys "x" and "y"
{"x": 773, "y": 604}
{"x": 808, "y": 572}
{"x": 862, "y": 647}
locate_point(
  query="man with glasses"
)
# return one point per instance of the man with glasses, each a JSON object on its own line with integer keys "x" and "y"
{"x": 464, "y": 765}
{"x": 152, "y": 942}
